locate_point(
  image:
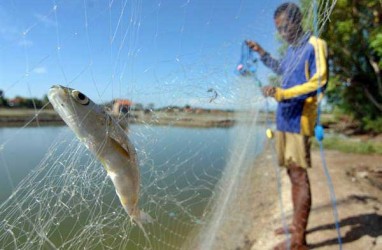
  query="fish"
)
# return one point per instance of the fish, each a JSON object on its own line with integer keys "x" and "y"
{"x": 108, "y": 142}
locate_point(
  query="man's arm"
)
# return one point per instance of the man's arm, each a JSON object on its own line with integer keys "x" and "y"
{"x": 271, "y": 63}
{"x": 266, "y": 58}
{"x": 318, "y": 80}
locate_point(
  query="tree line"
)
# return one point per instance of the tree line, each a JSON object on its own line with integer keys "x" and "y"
{"x": 22, "y": 102}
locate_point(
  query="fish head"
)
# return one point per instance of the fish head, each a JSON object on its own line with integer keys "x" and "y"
{"x": 82, "y": 115}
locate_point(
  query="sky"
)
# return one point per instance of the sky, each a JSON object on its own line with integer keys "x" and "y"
{"x": 164, "y": 52}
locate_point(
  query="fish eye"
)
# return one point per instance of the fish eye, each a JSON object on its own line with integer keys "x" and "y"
{"x": 80, "y": 98}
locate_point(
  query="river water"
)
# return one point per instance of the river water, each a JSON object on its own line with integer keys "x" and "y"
{"x": 179, "y": 171}
{"x": 181, "y": 148}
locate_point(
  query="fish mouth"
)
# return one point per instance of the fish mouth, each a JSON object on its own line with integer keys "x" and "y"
{"x": 57, "y": 88}
{"x": 58, "y": 97}
{"x": 57, "y": 93}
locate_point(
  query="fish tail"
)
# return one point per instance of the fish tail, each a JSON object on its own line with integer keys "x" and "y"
{"x": 141, "y": 219}
{"x": 145, "y": 217}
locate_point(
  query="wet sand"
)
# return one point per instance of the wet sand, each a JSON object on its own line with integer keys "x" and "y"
{"x": 359, "y": 204}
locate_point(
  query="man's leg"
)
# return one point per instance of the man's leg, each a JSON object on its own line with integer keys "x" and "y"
{"x": 301, "y": 197}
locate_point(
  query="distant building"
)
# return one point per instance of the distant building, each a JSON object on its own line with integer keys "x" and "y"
{"x": 16, "y": 102}
{"x": 188, "y": 109}
{"x": 121, "y": 106}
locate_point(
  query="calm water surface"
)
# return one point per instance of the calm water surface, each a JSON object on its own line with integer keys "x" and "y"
{"x": 163, "y": 147}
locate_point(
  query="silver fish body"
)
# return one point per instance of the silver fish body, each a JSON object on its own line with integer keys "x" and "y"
{"x": 103, "y": 136}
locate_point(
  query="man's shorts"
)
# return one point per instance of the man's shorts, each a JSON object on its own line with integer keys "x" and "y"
{"x": 293, "y": 149}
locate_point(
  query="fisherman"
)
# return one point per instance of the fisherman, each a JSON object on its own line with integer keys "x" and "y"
{"x": 304, "y": 71}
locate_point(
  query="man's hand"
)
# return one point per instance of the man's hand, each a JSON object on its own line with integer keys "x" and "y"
{"x": 255, "y": 47}
{"x": 269, "y": 91}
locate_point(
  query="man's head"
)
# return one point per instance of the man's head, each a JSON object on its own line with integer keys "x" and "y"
{"x": 288, "y": 20}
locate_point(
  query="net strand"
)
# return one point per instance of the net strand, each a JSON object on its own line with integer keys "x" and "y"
{"x": 319, "y": 138}
{"x": 67, "y": 201}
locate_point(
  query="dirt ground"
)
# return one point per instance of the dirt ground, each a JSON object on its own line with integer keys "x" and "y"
{"x": 357, "y": 183}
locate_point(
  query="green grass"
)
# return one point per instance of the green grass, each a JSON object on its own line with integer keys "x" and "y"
{"x": 350, "y": 145}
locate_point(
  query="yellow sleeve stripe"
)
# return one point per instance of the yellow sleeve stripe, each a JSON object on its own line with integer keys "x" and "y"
{"x": 320, "y": 78}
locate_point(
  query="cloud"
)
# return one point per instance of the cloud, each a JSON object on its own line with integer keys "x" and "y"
{"x": 39, "y": 70}
{"x": 46, "y": 20}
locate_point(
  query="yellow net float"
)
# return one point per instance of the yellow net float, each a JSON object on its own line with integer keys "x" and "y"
{"x": 269, "y": 133}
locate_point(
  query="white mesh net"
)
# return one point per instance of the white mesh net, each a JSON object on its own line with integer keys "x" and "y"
{"x": 206, "y": 188}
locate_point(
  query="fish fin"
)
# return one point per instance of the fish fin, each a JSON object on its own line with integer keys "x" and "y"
{"x": 117, "y": 146}
{"x": 119, "y": 135}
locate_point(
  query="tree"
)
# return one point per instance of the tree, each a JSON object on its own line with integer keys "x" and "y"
{"x": 3, "y": 101}
{"x": 137, "y": 107}
{"x": 150, "y": 106}
{"x": 354, "y": 37}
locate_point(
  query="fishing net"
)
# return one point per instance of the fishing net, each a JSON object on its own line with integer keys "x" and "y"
{"x": 206, "y": 188}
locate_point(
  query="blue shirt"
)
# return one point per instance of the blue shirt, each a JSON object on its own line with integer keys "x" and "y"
{"x": 304, "y": 71}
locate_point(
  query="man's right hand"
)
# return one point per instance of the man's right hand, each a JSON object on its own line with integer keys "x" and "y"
{"x": 268, "y": 91}
{"x": 255, "y": 47}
